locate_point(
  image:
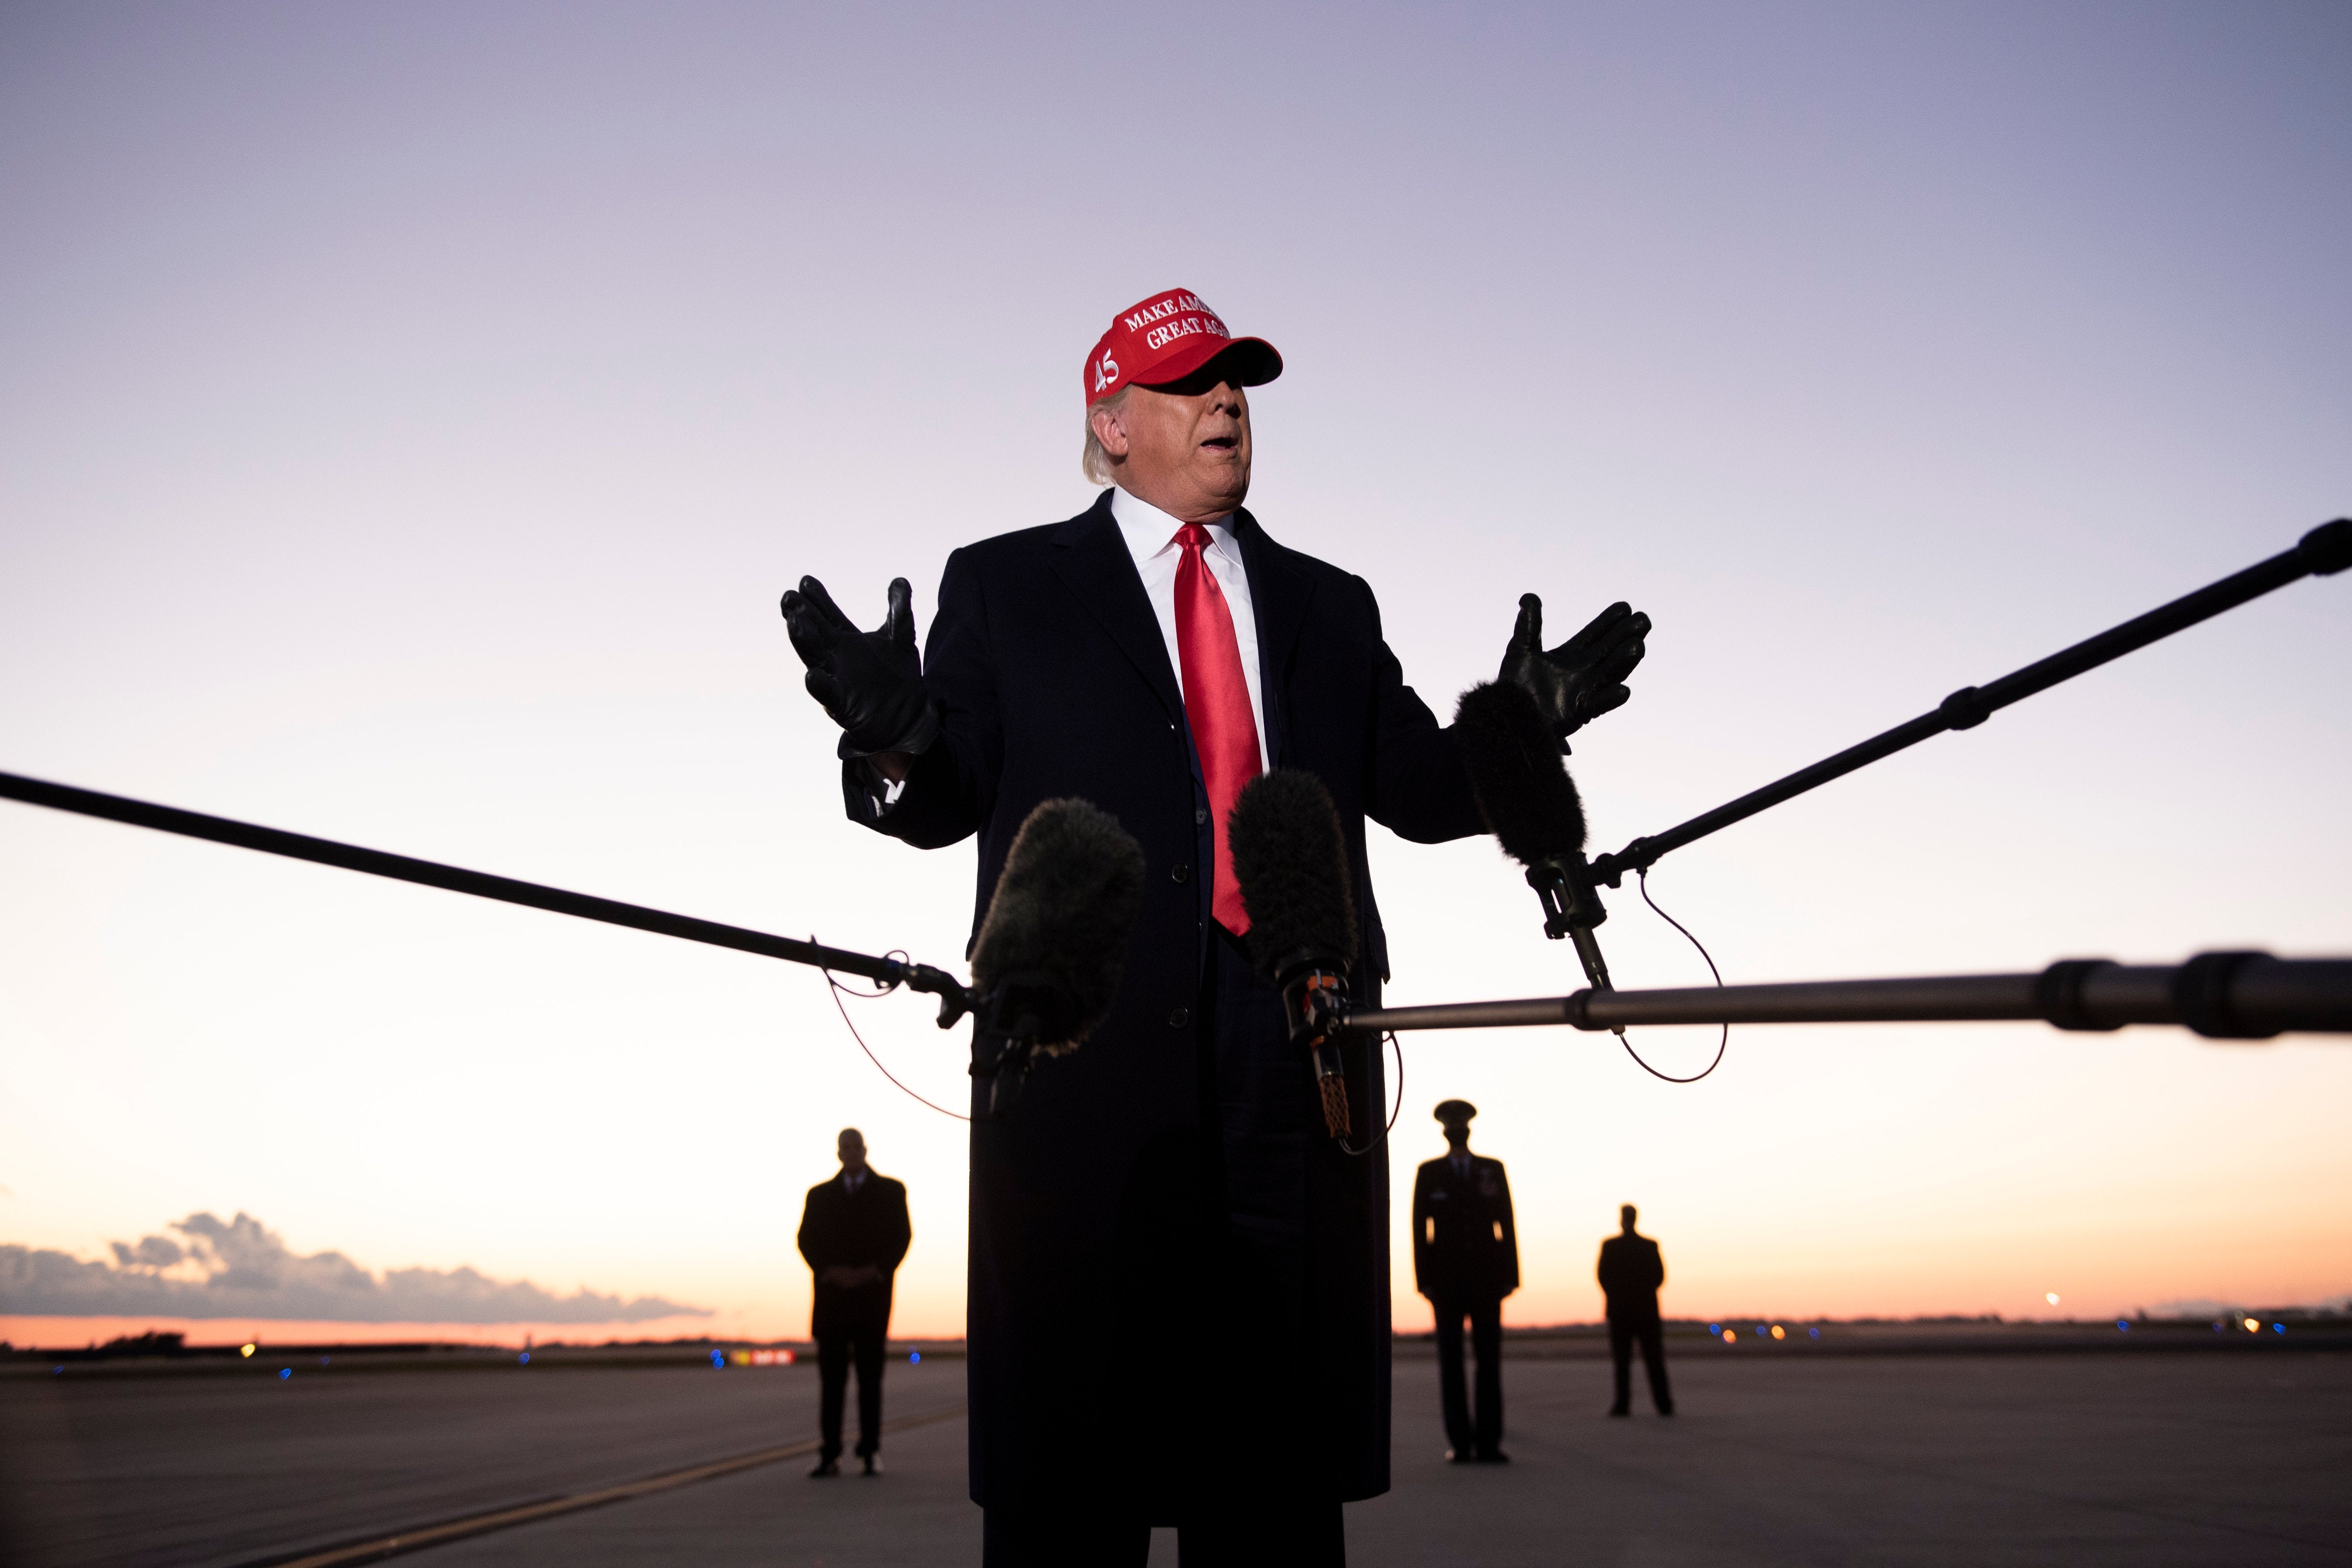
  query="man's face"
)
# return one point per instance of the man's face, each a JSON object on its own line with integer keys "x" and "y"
{"x": 1184, "y": 449}
{"x": 1457, "y": 1136}
{"x": 852, "y": 1151}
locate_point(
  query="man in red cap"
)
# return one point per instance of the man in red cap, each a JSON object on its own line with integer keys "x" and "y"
{"x": 1178, "y": 1308}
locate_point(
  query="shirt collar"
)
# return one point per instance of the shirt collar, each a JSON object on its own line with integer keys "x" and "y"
{"x": 1149, "y": 531}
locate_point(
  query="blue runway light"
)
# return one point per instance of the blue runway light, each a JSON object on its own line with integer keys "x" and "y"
{"x": 1715, "y": 1328}
{"x": 284, "y": 1372}
{"x": 2278, "y": 1328}
{"x": 1815, "y": 1332}
{"x": 322, "y": 1361}
{"x": 2123, "y": 1326}
{"x": 1760, "y": 1329}
{"x": 718, "y": 1360}
{"x": 524, "y": 1359}
{"x": 914, "y": 1358}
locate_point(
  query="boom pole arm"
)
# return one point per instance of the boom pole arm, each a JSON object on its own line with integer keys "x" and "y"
{"x": 2221, "y": 996}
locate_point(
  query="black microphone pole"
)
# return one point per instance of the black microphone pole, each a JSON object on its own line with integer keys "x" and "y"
{"x": 2220, "y": 996}
{"x": 2324, "y": 552}
{"x": 954, "y": 999}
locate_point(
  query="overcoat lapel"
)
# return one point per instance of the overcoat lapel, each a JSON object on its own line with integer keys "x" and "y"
{"x": 1091, "y": 557}
{"x": 1279, "y": 595}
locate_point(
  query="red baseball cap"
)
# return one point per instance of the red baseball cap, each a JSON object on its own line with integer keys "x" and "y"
{"x": 1166, "y": 338}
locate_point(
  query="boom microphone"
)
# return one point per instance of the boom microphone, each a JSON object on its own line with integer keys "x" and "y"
{"x": 1531, "y": 807}
{"x": 1046, "y": 965}
{"x": 1291, "y": 861}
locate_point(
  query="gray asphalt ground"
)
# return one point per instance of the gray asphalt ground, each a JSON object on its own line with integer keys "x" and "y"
{"x": 2044, "y": 1458}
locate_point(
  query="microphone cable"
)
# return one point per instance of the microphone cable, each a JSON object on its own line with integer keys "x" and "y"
{"x": 838, "y": 992}
{"x": 1722, "y": 1040}
{"x": 1394, "y": 1046}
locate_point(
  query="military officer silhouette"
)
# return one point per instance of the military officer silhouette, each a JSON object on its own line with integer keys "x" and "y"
{"x": 1465, "y": 1260}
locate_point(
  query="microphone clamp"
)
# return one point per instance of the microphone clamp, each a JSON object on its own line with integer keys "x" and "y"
{"x": 1028, "y": 1016}
{"x": 1005, "y": 1070}
{"x": 1572, "y": 907}
{"x": 955, "y": 998}
{"x": 1564, "y": 884}
{"x": 1315, "y": 1001}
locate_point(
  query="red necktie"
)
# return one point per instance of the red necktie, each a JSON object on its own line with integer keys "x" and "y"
{"x": 1217, "y": 706}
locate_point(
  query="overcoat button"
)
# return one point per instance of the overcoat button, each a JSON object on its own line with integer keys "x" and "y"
{"x": 1179, "y": 1019}
{"x": 1200, "y": 815}
{"x": 1180, "y": 872}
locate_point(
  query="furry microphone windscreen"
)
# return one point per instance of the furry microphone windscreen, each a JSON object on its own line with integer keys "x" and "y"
{"x": 1061, "y": 911}
{"x": 1291, "y": 861}
{"x": 1523, "y": 788}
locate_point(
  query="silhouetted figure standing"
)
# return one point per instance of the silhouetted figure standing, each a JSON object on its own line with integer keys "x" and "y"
{"x": 854, "y": 1232}
{"x": 1631, "y": 1273}
{"x": 1465, "y": 1260}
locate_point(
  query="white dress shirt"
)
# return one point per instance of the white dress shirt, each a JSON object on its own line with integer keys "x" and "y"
{"x": 1150, "y": 536}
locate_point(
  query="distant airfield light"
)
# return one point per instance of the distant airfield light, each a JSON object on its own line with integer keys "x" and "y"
{"x": 718, "y": 1360}
{"x": 322, "y": 1361}
{"x": 2278, "y": 1328}
{"x": 1715, "y": 1328}
{"x": 523, "y": 1360}
{"x": 2051, "y": 1297}
{"x": 1815, "y": 1332}
{"x": 1729, "y": 1337}
{"x": 1778, "y": 1332}
{"x": 284, "y": 1372}
{"x": 2253, "y": 1326}
{"x": 914, "y": 1358}
{"x": 245, "y": 1350}
{"x": 2123, "y": 1326}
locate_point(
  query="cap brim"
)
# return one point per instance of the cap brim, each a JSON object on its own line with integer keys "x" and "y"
{"x": 1246, "y": 362}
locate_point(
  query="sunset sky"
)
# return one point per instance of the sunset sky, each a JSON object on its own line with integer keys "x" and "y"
{"x": 409, "y": 416}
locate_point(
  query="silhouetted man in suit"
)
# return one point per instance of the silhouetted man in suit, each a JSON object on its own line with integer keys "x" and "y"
{"x": 1631, "y": 1273}
{"x": 1465, "y": 1260}
{"x": 854, "y": 1231}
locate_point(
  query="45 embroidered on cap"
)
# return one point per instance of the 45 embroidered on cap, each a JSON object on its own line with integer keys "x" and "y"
{"x": 1168, "y": 337}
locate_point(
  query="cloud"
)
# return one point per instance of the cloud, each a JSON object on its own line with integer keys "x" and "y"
{"x": 240, "y": 1268}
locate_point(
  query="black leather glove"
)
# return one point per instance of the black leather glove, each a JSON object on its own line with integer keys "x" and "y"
{"x": 871, "y": 683}
{"x": 1584, "y": 677}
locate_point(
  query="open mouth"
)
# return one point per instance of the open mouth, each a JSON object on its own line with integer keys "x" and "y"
{"x": 1222, "y": 443}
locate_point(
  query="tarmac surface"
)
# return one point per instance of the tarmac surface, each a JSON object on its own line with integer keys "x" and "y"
{"x": 1985, "y": 1459}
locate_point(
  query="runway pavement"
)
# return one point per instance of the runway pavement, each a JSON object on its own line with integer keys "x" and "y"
{"x": 2088, "y": 1459}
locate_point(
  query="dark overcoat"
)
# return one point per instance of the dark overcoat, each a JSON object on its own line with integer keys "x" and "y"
{"x": 1466, "y": 1244}
{"x": 866, "y": 1227}
{"x": 1171, "y": 1264}
{"x": 1631, "y": 1272}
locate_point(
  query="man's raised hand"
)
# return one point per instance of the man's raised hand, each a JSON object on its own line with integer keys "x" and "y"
{"x": 871, "y": 683}
{"x": 1584, "y": 677}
